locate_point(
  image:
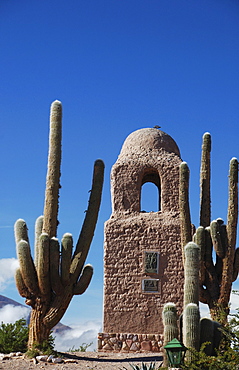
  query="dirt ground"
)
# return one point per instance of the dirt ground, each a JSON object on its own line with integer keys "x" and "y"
{"x": 86, "y": 361}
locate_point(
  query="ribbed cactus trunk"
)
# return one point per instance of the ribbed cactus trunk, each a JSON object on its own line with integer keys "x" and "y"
{"x": 170, "y": 317}
{"x": 216, "y": 277}
{"x": 191, "y": 315}
{"x": 170, "y": 322}
{"x": 185, "y": 221}
{"x": 38, "y": 331}
{"x": 191, "y": 273}
{"x": 191, "y": 328}
{"x": 57, "y": 274}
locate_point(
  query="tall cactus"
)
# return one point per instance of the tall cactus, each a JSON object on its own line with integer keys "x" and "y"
{"x": 191, "y": 316}
{"x": 49, "y": 282}
{"x": 191, "y": 272}
{"x": 216, "y": 277}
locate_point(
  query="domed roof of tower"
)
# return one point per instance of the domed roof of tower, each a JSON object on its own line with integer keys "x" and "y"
{"x": 148, "y": 139}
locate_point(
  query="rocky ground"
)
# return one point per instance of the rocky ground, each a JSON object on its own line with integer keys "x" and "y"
{"x": 84, "y": 360}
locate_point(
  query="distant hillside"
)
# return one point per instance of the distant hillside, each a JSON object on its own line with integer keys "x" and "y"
{"x": 5, "y": 301}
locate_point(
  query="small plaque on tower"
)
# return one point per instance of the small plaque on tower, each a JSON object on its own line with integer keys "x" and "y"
{"x": 150, "y": 285}
{"x": 151, "y": 262}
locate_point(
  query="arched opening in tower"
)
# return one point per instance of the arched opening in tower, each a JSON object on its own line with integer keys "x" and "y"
{"x": 150, "y": 197}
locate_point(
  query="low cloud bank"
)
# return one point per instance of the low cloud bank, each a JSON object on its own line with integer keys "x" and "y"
{"x": 8, "y": 267}
{"x": 78, "y": 334}
{"x": 10, "y": 313}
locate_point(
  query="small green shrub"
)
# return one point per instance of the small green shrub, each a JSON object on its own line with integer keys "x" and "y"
{"x": 14, "y": 337}
{"x": 45, "y": 348}
{"x": 226, "y": 360}
{"x": 82, "y": 348}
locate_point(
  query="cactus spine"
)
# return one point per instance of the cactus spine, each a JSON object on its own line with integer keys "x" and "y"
{"x": 215, "y": 277}
{"x": 49, "y": 282}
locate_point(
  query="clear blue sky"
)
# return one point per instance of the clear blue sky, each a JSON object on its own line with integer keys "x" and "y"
{"x": 117, "y": 66}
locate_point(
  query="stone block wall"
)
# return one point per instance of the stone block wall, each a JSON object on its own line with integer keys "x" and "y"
{"x": 127, "y": 307}
{"x": 130, "y": 342}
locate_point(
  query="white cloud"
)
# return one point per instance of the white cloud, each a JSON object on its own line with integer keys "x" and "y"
{"x": 78, "y": 334}
{"x": 204, "y": 310}
{"x": 234, "y": 302}
{"x": 10, "y": 313}
{"x": 8, "y": 267}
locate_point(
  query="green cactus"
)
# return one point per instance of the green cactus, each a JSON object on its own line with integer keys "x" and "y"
{"x": 49, "y": 282}
{"x": 216, "y": 277}
{"x": 191, "y": 273}
{"x": 185, "y": 222}
{"x": 169, "y": 315}
{"x": 190, "y": 317}
{"x": 191, "y": 328}
{"x": 207, "y": 334}
{"x": 210, "y": 332}
{"x": 205, "y": 183}
{"x": 170, "y": 322}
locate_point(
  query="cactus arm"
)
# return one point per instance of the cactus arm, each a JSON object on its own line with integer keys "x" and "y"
{"x": 27, "y": 267}
{"x": 56, "y": 284}
{"x": 224, "y": 238}
{"x": 66, "y": 254}
{"x": 232, "y": 214}
{"x": 224, "y": 248}
{"x": 211, "y": 277}
{"x": 199, "y": 239}
{"x": 185, "y": 218}
{"x": 87, "y": 231}
{"x": 232, "y": 217}
{"x": 21, "y": 231}
{"x": 205, "y": 174}
{"x": 43, "y": 265}
{"x": 216, "y": 239}
{"x": 21, "y": 286}
{"x": 84, "y": 280}
{"x": 208, "y": 247}
{"x": 53, "y": 172}
{"x": 38, "y": 231}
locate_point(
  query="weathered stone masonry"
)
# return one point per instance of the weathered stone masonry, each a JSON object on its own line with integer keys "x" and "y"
{"x": 142, "y": 262}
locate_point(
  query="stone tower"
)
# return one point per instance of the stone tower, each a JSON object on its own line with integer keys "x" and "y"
{"x": 143, "y": 267}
